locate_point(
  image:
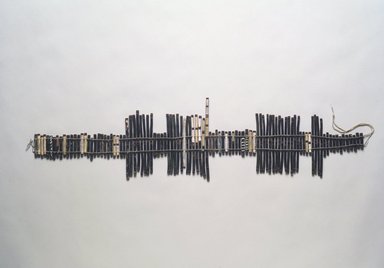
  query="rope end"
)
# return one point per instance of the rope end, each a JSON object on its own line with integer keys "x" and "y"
{"x": 29, "y": 145}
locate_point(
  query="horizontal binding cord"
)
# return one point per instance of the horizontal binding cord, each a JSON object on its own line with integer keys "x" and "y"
{"x": 208, "y": 150}
{"x": 208, "y": 136}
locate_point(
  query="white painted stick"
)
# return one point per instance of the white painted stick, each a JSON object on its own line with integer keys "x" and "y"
{"x": 81, "y": 144}
{"x": 184, "y": 143}
{"x": 226, "y": 141}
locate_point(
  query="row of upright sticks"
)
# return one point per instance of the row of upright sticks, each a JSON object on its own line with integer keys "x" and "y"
{"x": 188, "y": 142}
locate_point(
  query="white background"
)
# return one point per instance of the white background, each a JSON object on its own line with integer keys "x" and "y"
{"x": 83, "y": 66}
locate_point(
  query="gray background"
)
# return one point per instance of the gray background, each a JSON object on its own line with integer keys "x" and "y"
{"x": 76, "y": 66}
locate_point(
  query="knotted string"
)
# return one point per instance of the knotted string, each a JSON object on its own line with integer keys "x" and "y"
{"x": 29, "y": 145}
{"x": 343, "y": 131}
